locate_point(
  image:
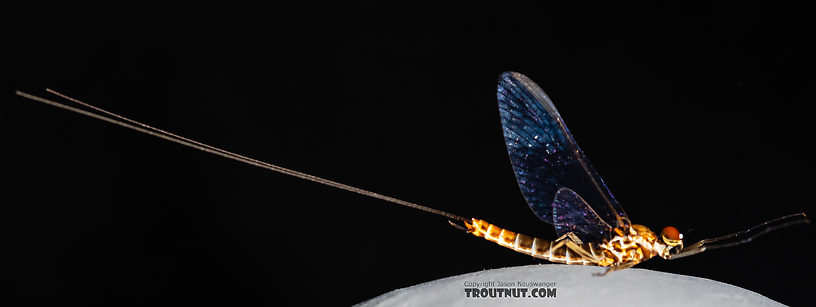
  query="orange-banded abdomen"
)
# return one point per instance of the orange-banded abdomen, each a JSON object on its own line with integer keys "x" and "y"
{"x": 560, "y": 252}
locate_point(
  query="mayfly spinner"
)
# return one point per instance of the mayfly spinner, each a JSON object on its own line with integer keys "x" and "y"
{"x": 558, "y": 182}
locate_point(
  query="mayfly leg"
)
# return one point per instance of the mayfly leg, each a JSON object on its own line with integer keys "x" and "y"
{"x": 758, "y": 230}
{"x": 616, "y": 268}
{"x": 572, "y": 242}
{"x": 567, "y": 249}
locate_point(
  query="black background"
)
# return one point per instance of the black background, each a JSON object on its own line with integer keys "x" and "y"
{"x": 695, "y": 116}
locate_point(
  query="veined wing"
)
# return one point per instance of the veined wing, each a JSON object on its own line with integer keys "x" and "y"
{"x": 570, "y": 213}
{"x": 545, "y": 156}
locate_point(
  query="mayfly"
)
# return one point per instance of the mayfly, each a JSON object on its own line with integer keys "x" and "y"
{"x": 556, "y": 179}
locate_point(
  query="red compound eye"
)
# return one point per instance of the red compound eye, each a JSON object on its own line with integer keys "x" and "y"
{"x": 671, "y": 233}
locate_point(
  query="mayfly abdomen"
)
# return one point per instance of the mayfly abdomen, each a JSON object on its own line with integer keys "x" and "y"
{"x": 560, "y": 251}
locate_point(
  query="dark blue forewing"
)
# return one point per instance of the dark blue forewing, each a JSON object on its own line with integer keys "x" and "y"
{"x": 546, "y": 158}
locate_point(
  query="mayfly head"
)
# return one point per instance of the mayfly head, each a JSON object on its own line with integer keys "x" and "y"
{"x": 672, "y": 237}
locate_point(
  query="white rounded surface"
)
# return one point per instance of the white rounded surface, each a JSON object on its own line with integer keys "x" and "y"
{"x": 574, "y": 286}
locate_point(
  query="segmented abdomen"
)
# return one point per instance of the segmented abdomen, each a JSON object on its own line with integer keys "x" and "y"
{"x": 548, "y": 250}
